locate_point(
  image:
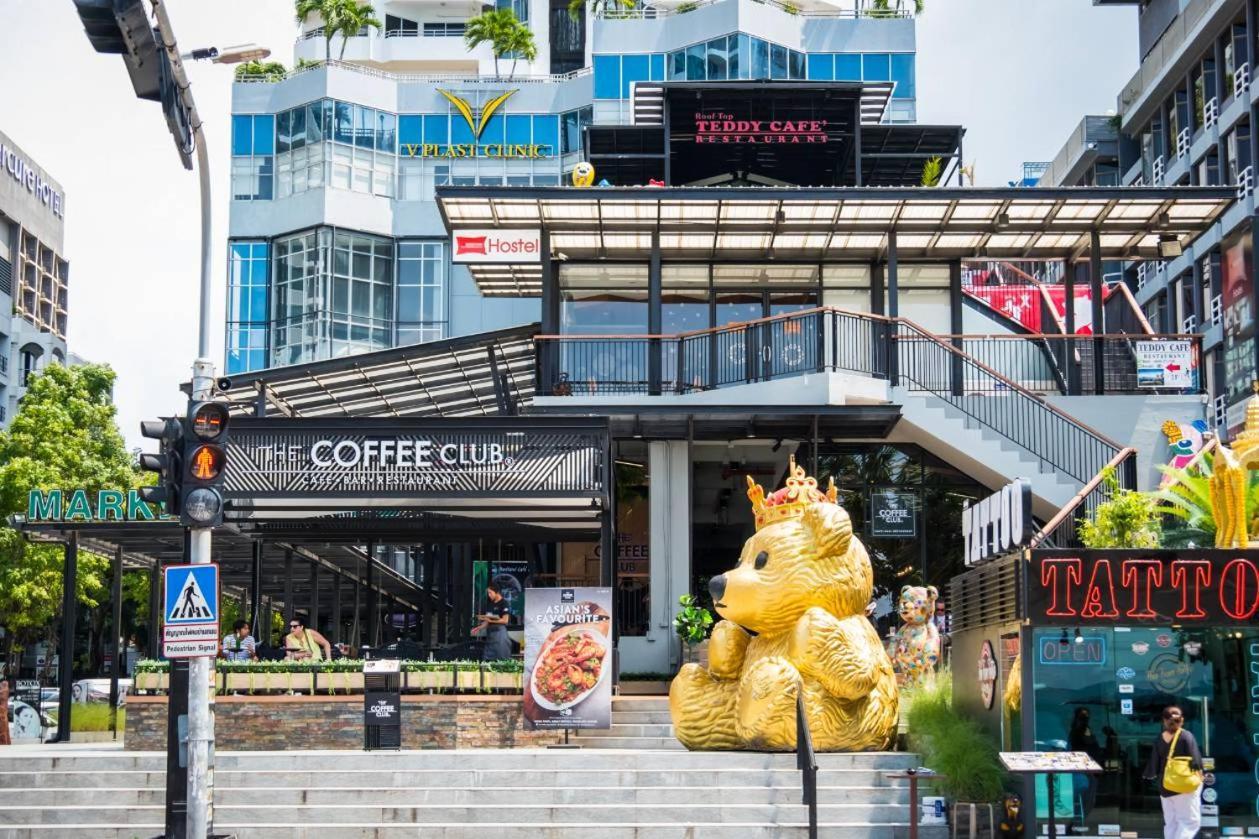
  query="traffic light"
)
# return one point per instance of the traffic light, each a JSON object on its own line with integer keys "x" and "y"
{"x": 122, "y": 27}
{"x": 166, "y": 462}
{"x": 204, "y": 460}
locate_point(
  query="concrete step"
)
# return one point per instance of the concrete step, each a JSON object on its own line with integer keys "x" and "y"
{"x": 485, "y": 813}
{"x": 620, "y": 729}
{"x": 641, "y": 718}
{"x": 606, "y": 741}
{"x": 640, "y": 703}
{"x": 403, "y": 796}
{"x": 603, "y": 830}
{"x": 785, "y": 777}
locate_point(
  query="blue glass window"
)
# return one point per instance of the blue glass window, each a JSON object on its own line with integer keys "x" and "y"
{"x": 410, "y": 130}
{"x": 519, "y": 129}
{"x": 733, "y": 57}
{"x": 634, "y": 68}
{"x": 717, "y": 66}
{"x": 657, "y": 67}
{"x": 247, "y": 311}
{"x": 460, "y": 131}
{"x": 314, "y": 123}
{"x": 364, "y": 127}
{"x": 607, "y": 76}
{"x": 437, "y": 129}
{"x": 493, "y": 131}
{"x": 385, "y": 127}
{"x": 264, "y": 134}
{"x": 284, "y": 137}
{"x": 298, "y": 129}
{"x": 876, "y": 67}
{"x": 821, "y": 66}
{"x": 242, "y": 135}
{"x": 848, "y": 67}
{"x": 677, "y": 65}
{"x": 795, "y": 64}
{"x": 344, "y": 132}
{"x": 696, "y": 63}
{"x": 777, "y": 62}
{"x": 760, "y": 59}
{"x": 903, "y": 75}
{"x": 546, "y": 132}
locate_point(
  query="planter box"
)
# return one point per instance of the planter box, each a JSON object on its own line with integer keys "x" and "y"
{"x": 269, "y": 682}
{"x": 504, "y": 681}
{"x": 150, "y": 682}
{"x": 644, "y": 688}
{"x": 344, "y": 682}
{"x": 468, "y": 681}
{"x": 427, "y": 680}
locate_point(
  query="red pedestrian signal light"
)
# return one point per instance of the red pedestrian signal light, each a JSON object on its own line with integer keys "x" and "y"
{"x": 206, "y": 463}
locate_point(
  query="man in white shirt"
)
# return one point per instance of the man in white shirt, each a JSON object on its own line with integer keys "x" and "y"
{"x": 239, "y": 646}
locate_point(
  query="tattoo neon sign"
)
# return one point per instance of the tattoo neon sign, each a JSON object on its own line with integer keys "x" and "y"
{"x": 1216, "y": 587}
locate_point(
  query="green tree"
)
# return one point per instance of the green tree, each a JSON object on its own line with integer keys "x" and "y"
{"x": 932, "y": 170}
{"x": 503, "y": 32}
{"x": 1129, "y": 519}
{"x": 351, "y": 19}
{"x": 64, "y": 436}
{"x": 607, "y": 7}
{"x": 892, "y": 8}
{"x": 272, "y": 70}
{"x": 327, "y": 10}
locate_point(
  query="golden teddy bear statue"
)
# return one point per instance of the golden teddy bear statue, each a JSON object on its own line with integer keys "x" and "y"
{"x": 802, "y": 585}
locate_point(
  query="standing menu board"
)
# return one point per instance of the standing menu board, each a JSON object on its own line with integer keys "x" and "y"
{"x": 568, "y": 657}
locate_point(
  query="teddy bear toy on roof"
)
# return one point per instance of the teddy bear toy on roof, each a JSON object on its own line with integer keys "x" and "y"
{"x": 794, "y": 625}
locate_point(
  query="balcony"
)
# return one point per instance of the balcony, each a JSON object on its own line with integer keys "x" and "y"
{"x": 834, "y": 341}
{"x": 437, "y": 77}
{"x": 435, "y": 46}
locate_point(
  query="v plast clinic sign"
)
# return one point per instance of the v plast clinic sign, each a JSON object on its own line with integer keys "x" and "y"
{"x": 482, "y": 246}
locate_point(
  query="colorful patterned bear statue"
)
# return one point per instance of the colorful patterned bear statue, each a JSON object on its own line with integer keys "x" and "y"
{"x": 917, "y": 649}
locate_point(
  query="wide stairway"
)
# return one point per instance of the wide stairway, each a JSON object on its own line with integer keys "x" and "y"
{"x": 506, "y": 794}
{"x": 638, "y": 722}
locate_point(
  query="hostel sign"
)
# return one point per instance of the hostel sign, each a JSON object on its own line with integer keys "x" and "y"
{"x": 1205, "y": 587}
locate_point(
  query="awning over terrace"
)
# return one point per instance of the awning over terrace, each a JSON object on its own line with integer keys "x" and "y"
{"x": 820, "y": 225}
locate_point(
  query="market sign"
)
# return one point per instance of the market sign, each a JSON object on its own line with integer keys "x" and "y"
{"x": 893, "y": 513}
{"x": 484, "y": 246}
{"x": 1165, "y": 364}
{"x": 568, "y": 658}
{"x": 999, "y": 523}
{"x": 81, "y": 505}
{"x": 1203, "y": 587}
{"x": 377, "y": 461}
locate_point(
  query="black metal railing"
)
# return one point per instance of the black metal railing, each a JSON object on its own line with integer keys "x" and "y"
{"x": 806, "y": 762}
{"x": 929, "y": 363}
{"x": 1063, "y": 530}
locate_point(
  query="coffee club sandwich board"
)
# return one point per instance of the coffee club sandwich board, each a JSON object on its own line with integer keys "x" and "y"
{"x": 568, "y": 658}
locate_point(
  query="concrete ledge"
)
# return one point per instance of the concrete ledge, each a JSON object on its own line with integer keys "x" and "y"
{"x": 279, "y": 723}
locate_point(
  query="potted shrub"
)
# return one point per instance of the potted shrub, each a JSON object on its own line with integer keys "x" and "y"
{"x": 693, "y": 625}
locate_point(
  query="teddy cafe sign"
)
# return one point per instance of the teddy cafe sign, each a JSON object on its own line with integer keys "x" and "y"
{"x": 1202, "y": 587}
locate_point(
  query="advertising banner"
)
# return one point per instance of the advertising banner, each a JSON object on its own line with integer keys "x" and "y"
{"x": 1239, "y": 320}
{"x": 1099, "y": 587}
{"x": 893, "y": 513}
{"x": 568, "y": 657}
{"x": 1166, "y": 364}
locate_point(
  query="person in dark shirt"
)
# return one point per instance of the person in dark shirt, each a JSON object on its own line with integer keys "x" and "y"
{"x": 1182, "y": 812}
{"x": 494, "y": 624}
{"x": 1082, "y": 739}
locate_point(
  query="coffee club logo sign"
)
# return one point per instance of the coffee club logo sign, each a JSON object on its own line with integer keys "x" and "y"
{"x": 476, "y": 123}
{"x": 1182, "y": 587}
{"x": 721, "y": 127}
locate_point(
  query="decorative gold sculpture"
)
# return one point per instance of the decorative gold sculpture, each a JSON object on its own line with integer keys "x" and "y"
{"x": 802, "y": 585}
{"x": 1229, "y": 481}
{"x": 1014, "y": 687}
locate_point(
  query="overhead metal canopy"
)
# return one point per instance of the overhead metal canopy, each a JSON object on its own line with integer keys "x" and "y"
{"x": 474, "y": 375}
{"x": 829, "y": 225}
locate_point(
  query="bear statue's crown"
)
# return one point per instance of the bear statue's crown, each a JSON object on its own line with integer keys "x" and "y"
{"x": 790, "y": 501}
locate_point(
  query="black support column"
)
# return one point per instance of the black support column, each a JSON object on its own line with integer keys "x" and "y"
{"x": 336, "y": 608}
{"x": 957, "y": 371}
{"x": 314, "y": 596}
{"x": 373, "y": 599}
{"x": 115, "y": 641}
{"x": 155, "y": 610}
{"x": 893, "y": 309}
{"x": 289, "y": 611}
{"x": 1099, "y": 313}
{"x": 655, "y": 316}
{"x": 1068, "y": 307}
{"x": 255, "y": 596}
{"x": 548, "y": 361}
{"x": 65, "y": 654}
{"x": 428, "y": 567}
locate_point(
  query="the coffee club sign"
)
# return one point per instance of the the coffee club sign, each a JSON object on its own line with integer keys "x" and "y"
{"x": 83, "y": 505}
{"x": 476, "y": 124}
{"x": 279, "y": 462}
{"x": 1204, "y": 587}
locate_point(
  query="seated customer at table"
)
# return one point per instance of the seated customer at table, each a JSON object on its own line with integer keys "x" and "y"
{"x": 239, "y": 646}
{"x": 305, "y": 644}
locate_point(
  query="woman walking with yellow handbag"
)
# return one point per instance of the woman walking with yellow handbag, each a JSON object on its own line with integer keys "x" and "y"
{"x": 1177, "y": 764}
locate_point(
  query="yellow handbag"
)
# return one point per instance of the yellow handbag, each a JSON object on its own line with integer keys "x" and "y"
{"x": 1179, "y": 776}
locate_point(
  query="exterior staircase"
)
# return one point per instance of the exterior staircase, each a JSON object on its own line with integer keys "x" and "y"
{"x": 106, "y": 793}
{"x": 638, "y": 722}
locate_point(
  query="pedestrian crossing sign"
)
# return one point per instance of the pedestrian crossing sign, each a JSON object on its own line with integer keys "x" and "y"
{"x": 192, "y": 594}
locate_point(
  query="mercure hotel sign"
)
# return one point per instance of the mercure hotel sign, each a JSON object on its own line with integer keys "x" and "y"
{"x": 25, "y": 174}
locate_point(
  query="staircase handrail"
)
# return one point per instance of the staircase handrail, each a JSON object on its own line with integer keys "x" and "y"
{"x": 806, "y": 762}
{"x": 1009, "y": 383}
{"x": 1126, "y": 292}
{"x": 1064, "y": 515}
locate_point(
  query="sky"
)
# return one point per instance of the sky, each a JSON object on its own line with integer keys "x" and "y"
{"x": 1019, "y": 74}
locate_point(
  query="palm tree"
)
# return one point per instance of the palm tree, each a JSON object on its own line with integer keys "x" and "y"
{"x": 520, "y": 45}
{"x": 326, "y": 9}
{"x": 352, "y": 18}
{"x": 883, "y": 8}
{"x": 575, "y": 6}
{"x": 501, "y": 30}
